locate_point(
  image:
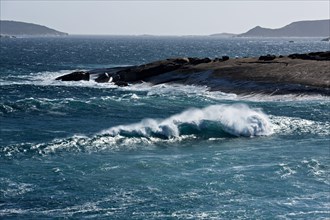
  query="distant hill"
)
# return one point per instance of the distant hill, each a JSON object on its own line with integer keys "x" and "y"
{"x": 16, "y": 28}
{"x": 317, "y": 28}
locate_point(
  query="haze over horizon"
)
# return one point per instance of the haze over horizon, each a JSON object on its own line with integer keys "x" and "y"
{"x": 162, "y": 17}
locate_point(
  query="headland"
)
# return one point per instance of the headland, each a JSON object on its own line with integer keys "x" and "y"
{"x": 293, "y": 74}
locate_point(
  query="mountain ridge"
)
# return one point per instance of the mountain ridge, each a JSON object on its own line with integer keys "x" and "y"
{"x": 308, "y": 28}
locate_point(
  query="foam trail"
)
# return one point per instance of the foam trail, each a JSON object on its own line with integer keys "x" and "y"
{"x": 237, "y": 120}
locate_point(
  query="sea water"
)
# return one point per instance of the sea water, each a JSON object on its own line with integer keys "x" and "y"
{"x": 87, "y": 150}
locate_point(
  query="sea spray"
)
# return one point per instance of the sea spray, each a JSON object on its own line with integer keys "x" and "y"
{"x": 237, "y": 120}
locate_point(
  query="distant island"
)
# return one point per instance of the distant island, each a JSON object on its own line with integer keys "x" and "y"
{"x": 223, "y": 35}
{"x": 317, "y": 28}
{"x": 17, "y": 29}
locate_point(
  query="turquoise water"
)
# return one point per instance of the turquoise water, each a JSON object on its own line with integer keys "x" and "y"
{"x": 87, "y": 150}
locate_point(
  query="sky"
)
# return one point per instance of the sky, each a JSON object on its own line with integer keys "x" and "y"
{"x": 101, "y": 17}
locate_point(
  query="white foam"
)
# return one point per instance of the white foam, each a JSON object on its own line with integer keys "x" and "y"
{"x": 238, "y": 120}
{"x": 287, "y": 125}
{"x": 48, "y": 79}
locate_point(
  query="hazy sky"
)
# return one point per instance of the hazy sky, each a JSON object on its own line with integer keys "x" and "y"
{"x": 162, "y": 17}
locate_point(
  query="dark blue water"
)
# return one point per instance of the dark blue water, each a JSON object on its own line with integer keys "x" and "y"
{"x": 87, "y": 150}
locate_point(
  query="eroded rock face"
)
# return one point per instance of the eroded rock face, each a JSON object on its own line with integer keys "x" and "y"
{"x": 75, "y": 76}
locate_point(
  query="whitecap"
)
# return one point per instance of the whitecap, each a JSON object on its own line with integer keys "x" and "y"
{"x": 237, "y": 120}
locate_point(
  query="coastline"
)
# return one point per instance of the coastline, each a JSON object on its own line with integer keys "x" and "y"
{"x": 295, "y": 73}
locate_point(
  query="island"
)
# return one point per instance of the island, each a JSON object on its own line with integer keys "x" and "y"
{"x": 293, "y": 74}
{"x": 22, "y": 29}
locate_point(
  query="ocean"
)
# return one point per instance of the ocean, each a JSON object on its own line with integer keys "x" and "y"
{"x": 81, "y": 150}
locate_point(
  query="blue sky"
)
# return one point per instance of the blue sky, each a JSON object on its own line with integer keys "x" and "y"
{"x": 162, "y": 17}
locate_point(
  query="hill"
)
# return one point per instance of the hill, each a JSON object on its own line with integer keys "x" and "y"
{"x": 317, "y": 28}
{"x": 16, "y": 28}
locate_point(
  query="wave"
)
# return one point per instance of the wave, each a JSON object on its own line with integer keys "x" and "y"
{"x": 298, "y": 126}
{"x": 236, "y": 120}
{"x": 214, "y": 122}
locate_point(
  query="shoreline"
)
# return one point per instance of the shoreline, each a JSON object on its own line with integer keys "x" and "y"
{"x": 270, "y": 74}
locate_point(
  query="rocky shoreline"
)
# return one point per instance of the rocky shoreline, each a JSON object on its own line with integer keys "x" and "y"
{"x": 296, "y": 73}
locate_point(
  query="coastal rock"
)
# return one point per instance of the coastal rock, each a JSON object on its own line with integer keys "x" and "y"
{"x": 183, "y": 60}
{"x": 296, "y": 73}
{"x": 268, "y": 57}
{"x": 225, "y": 58}
{"x": 103, "y": 78}
{"x": 75, "y": 76}
{"x": 326, "y": 39}
{"x": 138, "y": 73}
{"x": 196, "y": 61}
{"x": 311, "y": 56}
{"x": 121, "y": 83}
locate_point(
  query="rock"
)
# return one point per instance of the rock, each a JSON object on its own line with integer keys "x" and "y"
{"x": 138, "y": 73}
{"x": 224, "y": 58}
{"x": 326, "y": 39}
{"x": 311, "y": 56}
{"x": 75, "y": 76}
{"x": 103, "y": 78}
{"x": 183, "y": 60}
{"x": 121, "y": 83}
{"x": 196, "y": 61}
{"x": 268, "y": 57}
{"x": 299, "y": 56}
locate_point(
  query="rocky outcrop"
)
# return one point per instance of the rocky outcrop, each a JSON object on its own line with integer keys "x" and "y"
{"x": 75, "y": 76}
{"x": 268, "y": 57}
{"x": 311, "y": 56}
{"x": 296, "y": 73}
{"x": 135, "y": 73}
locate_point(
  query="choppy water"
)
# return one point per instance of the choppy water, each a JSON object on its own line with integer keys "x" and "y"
{"x": 87, "y": 150}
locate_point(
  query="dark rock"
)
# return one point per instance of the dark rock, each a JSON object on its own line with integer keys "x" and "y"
{"x": 280, "y": 56}
{"x": 326, "y": 39}
{"x": 268, "y": 57}
{"x": 311, "y": 56}
{"x": 144, "y": 71}
{"x": 103, "y": 78}
{"x": 299, "y": 56}
{"x": 75, "y": 76}
{"x": 196, "y": 61}
{"x": 121, "y": 83}
{"x": 224, "y": 58}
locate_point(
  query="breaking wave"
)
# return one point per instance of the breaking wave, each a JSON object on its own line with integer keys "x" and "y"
{"x": 236, "y": 120}
{"x": 210, "y": 123}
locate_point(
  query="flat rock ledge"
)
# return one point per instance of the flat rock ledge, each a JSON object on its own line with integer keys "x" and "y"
{"x": 293, "y": 74}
